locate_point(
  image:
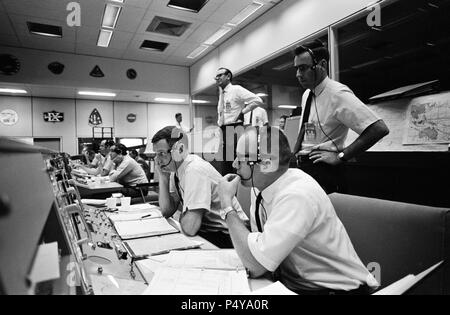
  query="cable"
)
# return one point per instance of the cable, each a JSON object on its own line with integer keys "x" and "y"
{"x": 254, "y": 192}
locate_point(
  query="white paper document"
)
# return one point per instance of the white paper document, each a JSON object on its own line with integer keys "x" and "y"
{"x": 156, "y": 245}
{"x": 225, "y": 259}
{"x": 139, "y": 207}
{"x": 46, "y": 264}
{"x": 184, "y": 281}
{"x": 94, "y": 202}
{"x": 276, "y": 288}
{"x": 401, "y": 286}
{"x": 143, "y": 228}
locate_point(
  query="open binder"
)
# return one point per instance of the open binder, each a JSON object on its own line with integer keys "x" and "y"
{"x": 143, "y": 228}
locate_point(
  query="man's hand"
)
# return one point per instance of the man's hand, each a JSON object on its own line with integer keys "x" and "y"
{"x": 161, "y": 173}
{"x": 327, "y": 157}
{"x": 228, "y": 187}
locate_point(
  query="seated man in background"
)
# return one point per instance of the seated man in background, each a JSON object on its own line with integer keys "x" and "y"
{"x": 196, "y": 182}
{"x": 295, "y": 232}
{"x": 128, "y": 172}
{"x": 103, "y": 164}
{"x": 143, "y": 163}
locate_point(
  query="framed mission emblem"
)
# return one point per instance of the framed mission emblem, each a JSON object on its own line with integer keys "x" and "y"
{"x": 9, "y": 117}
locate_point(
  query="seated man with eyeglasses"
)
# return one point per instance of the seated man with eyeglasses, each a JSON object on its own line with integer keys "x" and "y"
{"x": 194, "y": 186}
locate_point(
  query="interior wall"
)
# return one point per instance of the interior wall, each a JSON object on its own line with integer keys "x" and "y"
{"x": 65, "y": 130}
{"x": 150, "y": 118}
{"x": 281, "y": 27}
{"x": 151, "y": 77}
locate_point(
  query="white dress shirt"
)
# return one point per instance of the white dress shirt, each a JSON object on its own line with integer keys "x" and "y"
{"x": 232, "y": 100}
{"x": 303, "y": 237}
{"x": 258, "y": 116}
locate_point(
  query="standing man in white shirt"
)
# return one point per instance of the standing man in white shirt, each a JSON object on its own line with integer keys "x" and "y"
{"x": 295, "y": 232}
{"x": 330, "y": 111}
{"x": 194, "y": 185}
{"x": 256, "y": 118}
{"x": 179, "y": 119}
{"x": 234, "y": 102}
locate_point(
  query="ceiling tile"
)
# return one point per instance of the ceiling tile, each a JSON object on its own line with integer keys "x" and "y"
{"x": 203, "y": 32}
{"x": 5, "y": 24}
{"x": 228, "y": 10}
{"x": 130, "y": 19}
{"x": 9, "y": 40}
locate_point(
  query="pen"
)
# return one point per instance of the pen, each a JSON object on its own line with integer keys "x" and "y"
{"x": 146, "y": 216}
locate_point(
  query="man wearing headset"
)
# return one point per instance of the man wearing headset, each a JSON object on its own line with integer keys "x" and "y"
{"x": 295, "y": 232}
{"x": 194, "y": 186}
{"x": 330, "y": 111}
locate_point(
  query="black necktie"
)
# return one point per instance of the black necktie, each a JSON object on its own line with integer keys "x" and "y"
{"x": 177, "y": 186}
{"x": 305, "y": 119}
{"x": 257, "y": 219}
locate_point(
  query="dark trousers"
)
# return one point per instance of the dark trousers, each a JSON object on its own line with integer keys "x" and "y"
{"x": 329, "y": 177}
{"x": 362, "y": 290}
{"x": 221, "y": 240}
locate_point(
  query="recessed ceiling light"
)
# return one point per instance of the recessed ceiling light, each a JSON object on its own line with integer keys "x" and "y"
{"x": 191, "y": 5}
{"x": 246, "y": 13}
{"x": 262, "y": 94}
{"x": 111, "y": 15}
{"x": 45, "y": 29}
{"x": 287, "y": 106}
{"x": 13, "y": 91}
{"x": 217, "y": 35}
{"x": 104, "y": 38}
{"x": 170, "y": 100}
{"x": 198, "y": 51}
{"x": 88, "y": 93}
{"x": 200, "y": 102}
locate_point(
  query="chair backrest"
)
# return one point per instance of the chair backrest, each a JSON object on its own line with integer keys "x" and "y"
{"x": 401, "y": 238}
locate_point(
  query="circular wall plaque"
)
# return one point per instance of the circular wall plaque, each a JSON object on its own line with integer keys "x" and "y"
{"x": 9, "y": 117}
{"x": 131, "y": 74}
{"x": 9, "y": 64}
{"x": 131, "y": 118}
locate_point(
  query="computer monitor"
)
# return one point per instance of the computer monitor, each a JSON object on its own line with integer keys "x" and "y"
{"x": 291, "y": 129}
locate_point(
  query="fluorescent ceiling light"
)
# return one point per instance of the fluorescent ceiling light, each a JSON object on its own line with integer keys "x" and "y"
{"x": 88, "y": 93}
{"x": 284, "y": 66}
{"x": 287, "y": 106}
{"x": 111, "y": 15}
{"x": 104, "y": 38}
{"x": 200, "y": 102}
{"x": 262, "y": 94}
{"x": 198, "y": 51}
{"x": 217, "y": 35}
{"x": 170, "y": 100}
{"x": 14, "y": 91}
{"x": 121, "y": 1}
{"x": 246, "y": 13}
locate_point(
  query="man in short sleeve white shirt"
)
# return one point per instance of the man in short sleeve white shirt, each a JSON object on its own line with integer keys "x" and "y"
{"x": 257, "y": 117}
{"x": 333, "y": 110}
{"x": 194, "y": 186}
{"x": 295, "y": 232}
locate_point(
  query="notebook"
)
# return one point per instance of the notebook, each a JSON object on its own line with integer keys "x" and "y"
{"x": 156, "y": 245}
{"x": 143, "y": 228}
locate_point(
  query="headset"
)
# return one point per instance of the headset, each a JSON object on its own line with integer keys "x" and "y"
{"x": 266, "y": 165}
{"x": 313, "y": 56}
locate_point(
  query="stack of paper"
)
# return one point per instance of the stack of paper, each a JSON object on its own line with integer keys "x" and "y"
{"x": 94, "y": 202}
{"x": 157, "y": 245}
{"x": 202, "y": 272}
{"x": 139, "y": 207}
{"x": 143, "y": 228}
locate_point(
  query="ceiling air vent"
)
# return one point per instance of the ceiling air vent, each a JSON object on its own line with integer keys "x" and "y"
{"x": 191, "y": 5}
{"x": 45, "y": 29}
{"x": 168, "y": 26}
{"x": 154, "y": 46}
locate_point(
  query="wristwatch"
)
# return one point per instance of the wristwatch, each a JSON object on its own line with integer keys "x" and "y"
{"x": 341, "y": 156}
{"x": 224, "y": 212}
